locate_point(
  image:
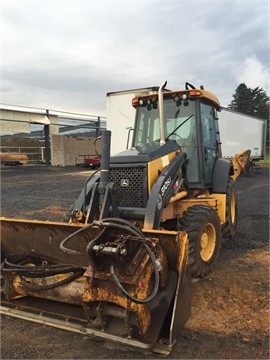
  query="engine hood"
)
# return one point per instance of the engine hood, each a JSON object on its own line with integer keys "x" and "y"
{"x": 137, "y": 155}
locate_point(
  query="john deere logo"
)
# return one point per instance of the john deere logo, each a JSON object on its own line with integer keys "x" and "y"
{"x": 124, "y": 183}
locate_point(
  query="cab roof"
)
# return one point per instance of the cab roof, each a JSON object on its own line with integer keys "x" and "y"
{"x": 183, "y": 94}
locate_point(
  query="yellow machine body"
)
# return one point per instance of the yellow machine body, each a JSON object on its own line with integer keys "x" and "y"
{"x": 149, "y": 220}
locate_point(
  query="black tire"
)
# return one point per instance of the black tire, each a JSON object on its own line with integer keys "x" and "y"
{"x": 228, "y": 229}
{"x": 249, "y": 166}
{"x": 204, "y": 233}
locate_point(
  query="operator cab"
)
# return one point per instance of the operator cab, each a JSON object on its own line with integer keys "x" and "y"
{"x": 190, "y": 121}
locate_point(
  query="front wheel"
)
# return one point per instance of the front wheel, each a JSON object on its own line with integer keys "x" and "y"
{"x": 204, "y": 233}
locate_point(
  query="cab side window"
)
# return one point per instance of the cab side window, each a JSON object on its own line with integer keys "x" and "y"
{"x": 208, "y": 126}
{"x": 209, "y": 140}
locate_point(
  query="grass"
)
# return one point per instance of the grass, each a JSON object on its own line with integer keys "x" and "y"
{"x": 266, "y": 160}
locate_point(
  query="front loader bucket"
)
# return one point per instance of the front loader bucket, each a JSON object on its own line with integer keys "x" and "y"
{"x": 167, "y": 312}
{"x": 44, "y": 237}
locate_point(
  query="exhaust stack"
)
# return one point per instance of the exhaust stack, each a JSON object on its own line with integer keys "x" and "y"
{"x": 161, "y": 113}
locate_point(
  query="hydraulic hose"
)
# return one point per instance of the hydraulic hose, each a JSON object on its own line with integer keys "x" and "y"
{"x": 126, "y": 226}
{"x": 85, "y": 188}
{"x": 156, "y": 284}
{"x": 123, "y": 221}
{"x": 63, "y": 242}
{"x": 33, "y": 286}
{"x": 19, "y": 264}
{"x": 110, "y": 222}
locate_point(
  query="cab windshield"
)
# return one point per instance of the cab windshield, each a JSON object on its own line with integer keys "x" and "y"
{"x": 179, "y": 124}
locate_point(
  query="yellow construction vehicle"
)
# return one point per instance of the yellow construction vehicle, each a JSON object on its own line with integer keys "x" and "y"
{"x": 150, "y": 218}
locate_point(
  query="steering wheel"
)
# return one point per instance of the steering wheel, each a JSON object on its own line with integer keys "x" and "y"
{"x": 177, "y": 138}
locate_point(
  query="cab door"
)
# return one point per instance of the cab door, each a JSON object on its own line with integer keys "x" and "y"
{"x": 209, "y": 141}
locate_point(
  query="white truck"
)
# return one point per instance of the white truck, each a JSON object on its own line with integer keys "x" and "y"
{"x": 238, "y": 132}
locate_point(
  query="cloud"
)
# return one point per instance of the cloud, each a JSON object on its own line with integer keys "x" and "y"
{"x": 69, "y": 54}
{"x": 254, "y": 74}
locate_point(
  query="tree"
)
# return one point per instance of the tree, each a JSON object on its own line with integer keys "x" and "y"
{"x": 250, "y": 101}
{"x": 254, "y": 102}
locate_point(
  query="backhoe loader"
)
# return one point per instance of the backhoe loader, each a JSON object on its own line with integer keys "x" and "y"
{"x": 148, "y": 220}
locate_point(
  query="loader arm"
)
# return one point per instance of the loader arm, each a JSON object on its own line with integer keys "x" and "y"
{"x": 162, "y": 191}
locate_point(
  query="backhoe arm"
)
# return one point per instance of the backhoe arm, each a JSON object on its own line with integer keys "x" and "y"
{"x": 239, "y": 162}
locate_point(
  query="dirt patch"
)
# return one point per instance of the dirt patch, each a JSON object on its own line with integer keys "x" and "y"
{"x": 230, "y": 307}
{"x": 221, "y": 306}
{"x": 54, "y": 211}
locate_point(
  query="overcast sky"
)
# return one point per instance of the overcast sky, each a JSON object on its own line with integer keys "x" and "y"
{"x": 66, "y": 55}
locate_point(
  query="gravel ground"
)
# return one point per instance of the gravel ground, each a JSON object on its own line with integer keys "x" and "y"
{"x": 230, "y": 307}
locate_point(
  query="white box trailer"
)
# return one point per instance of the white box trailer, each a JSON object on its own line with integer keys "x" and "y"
{"x": 121, "y": 116}
{"x": 238, "y": 132}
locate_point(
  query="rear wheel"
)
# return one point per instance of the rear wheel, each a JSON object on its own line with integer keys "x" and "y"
{"x": 204, "y": 233}
{"x": 229, "y": 227}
